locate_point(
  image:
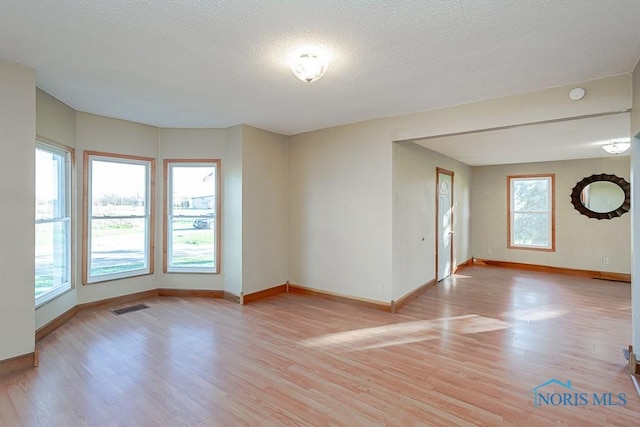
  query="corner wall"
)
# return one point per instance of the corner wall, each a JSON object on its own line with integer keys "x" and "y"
{"x": 188, "y": 144}
{"x": 254, "y": 200}
{"x": 99, "y": 133}
{"x": 340, "y": 181}
{"x": 17, "y": 216}
{"x": 232, "y": 211}
{"x": 414, "y": 215}
{"x": 265, "y": 203}
{"x": 56, "y": 122}
{"x": 635, "y": 211}
{"x": 340, "y": 237}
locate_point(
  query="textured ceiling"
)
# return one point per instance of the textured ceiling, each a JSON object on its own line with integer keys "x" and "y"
{"x": 216, "y": 64}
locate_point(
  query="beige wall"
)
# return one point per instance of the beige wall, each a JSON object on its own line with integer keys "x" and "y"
{"x": 265, "y": 203}
{"x": 187, "y": 144}
{"x": 340, "y": 210}
{"x": 56, "y": 122}
{"x": 338, "y": 192}
{"x": 260, "y": 219}
{"x": 232, "y": 208}
{"x": 635, "y": 211}
{"x": 581, "y": 242}
{"x": 98, "y": 133}
{"x": 345, "y": 173}
{"x": 414, "y": 215}
{"x": 609, "y": 94}
{"x": 17, "y": 192}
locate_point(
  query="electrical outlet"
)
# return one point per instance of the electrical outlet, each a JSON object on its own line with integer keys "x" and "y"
{"x": 605, "y": 260}
{"x": 379, "y": 287}
{"x": 489, "y": 251}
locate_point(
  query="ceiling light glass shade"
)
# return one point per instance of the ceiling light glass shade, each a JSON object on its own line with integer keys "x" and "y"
{"x": 309, "y": 67}
{"x": 616, "y": 147}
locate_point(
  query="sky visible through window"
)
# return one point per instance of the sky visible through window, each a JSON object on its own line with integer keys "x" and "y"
{"x": 193, "y": 181}
{"x": 46, "y": 183}
{"x": 128, "y": 179}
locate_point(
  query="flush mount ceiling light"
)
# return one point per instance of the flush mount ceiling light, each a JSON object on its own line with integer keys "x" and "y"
{"x": 616, "y": 147}
{"x": 308, "y": 67}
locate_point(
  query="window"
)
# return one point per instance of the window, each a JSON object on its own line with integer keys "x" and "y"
{"x": 531, "y": 212}
{"x": 192, "y": 225}
{"x": 53, "y": 221}
{"x": 119, "y": 205}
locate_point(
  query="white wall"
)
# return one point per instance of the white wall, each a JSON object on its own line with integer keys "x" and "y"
{"x": 265, "y": 203}
{"x": 581, "y": 242}
{"x": 56, "y": 122}
{"x": 98, "y": 133}
{"x": 414, "y": 215}
{"x": 188, "y": 144}
{"x": 17, "y": 216}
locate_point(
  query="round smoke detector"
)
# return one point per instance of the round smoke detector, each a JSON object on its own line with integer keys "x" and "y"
{"x": 576, "y": 94}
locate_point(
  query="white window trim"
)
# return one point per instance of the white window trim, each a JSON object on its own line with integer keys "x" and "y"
{"x": 68, "y": 154}
{"x": 551, "y": 212}
{"x": 91, "y": 156}
{"x": 168, "y": 204}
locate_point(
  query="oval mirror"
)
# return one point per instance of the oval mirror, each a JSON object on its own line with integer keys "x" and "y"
{"x": 602, "y": 196}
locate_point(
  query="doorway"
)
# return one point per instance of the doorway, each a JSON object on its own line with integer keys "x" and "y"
{"x": 444, "y": 223}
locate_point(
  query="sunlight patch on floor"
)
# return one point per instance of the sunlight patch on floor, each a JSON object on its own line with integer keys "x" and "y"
{"x": 537, "y": 313}
{"x": 405, "y": 333}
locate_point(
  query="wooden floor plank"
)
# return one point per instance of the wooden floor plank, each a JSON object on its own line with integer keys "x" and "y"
{"x": 466, "y": 352}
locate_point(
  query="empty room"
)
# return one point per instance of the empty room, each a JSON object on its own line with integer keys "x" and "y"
{"x": 308, "y": 213}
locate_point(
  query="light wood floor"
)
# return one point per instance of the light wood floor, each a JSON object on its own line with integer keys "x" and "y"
{"x": 467, "y": 352}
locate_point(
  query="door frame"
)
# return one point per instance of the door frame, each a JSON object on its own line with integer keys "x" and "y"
{"x": 443, "y": 171}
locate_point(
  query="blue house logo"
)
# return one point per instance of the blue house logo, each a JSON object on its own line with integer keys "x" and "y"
{"x": 556, "y": 393}
{"x": 552, "y": 399}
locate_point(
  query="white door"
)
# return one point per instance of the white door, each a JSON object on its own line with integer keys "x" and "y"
{"x": 445, "y": 223}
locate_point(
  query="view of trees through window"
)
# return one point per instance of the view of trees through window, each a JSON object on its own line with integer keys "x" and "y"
{"x": 119, "y": 216}
{"x": 531, "y": 212}
{"x": 53, "y": 221}
{"x": 191, "y": 216}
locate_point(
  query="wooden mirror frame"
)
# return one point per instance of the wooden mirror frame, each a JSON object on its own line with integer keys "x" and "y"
{"x": 621, "y": 182}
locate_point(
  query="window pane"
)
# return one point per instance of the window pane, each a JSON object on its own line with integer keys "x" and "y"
{"x": 192, "y": 228}
{"x": 531, "y": 229}
{"x": 193, "y": 190}
{"x": 50, "y": 177}
{"x": 52, "y": 256}
{"x": 52, "y": 227}
{"x": 118, "y": 189}
{"x": 193, "y": 242}
{"x": 531, "y": 195}
{"x": 117, "y": 246}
